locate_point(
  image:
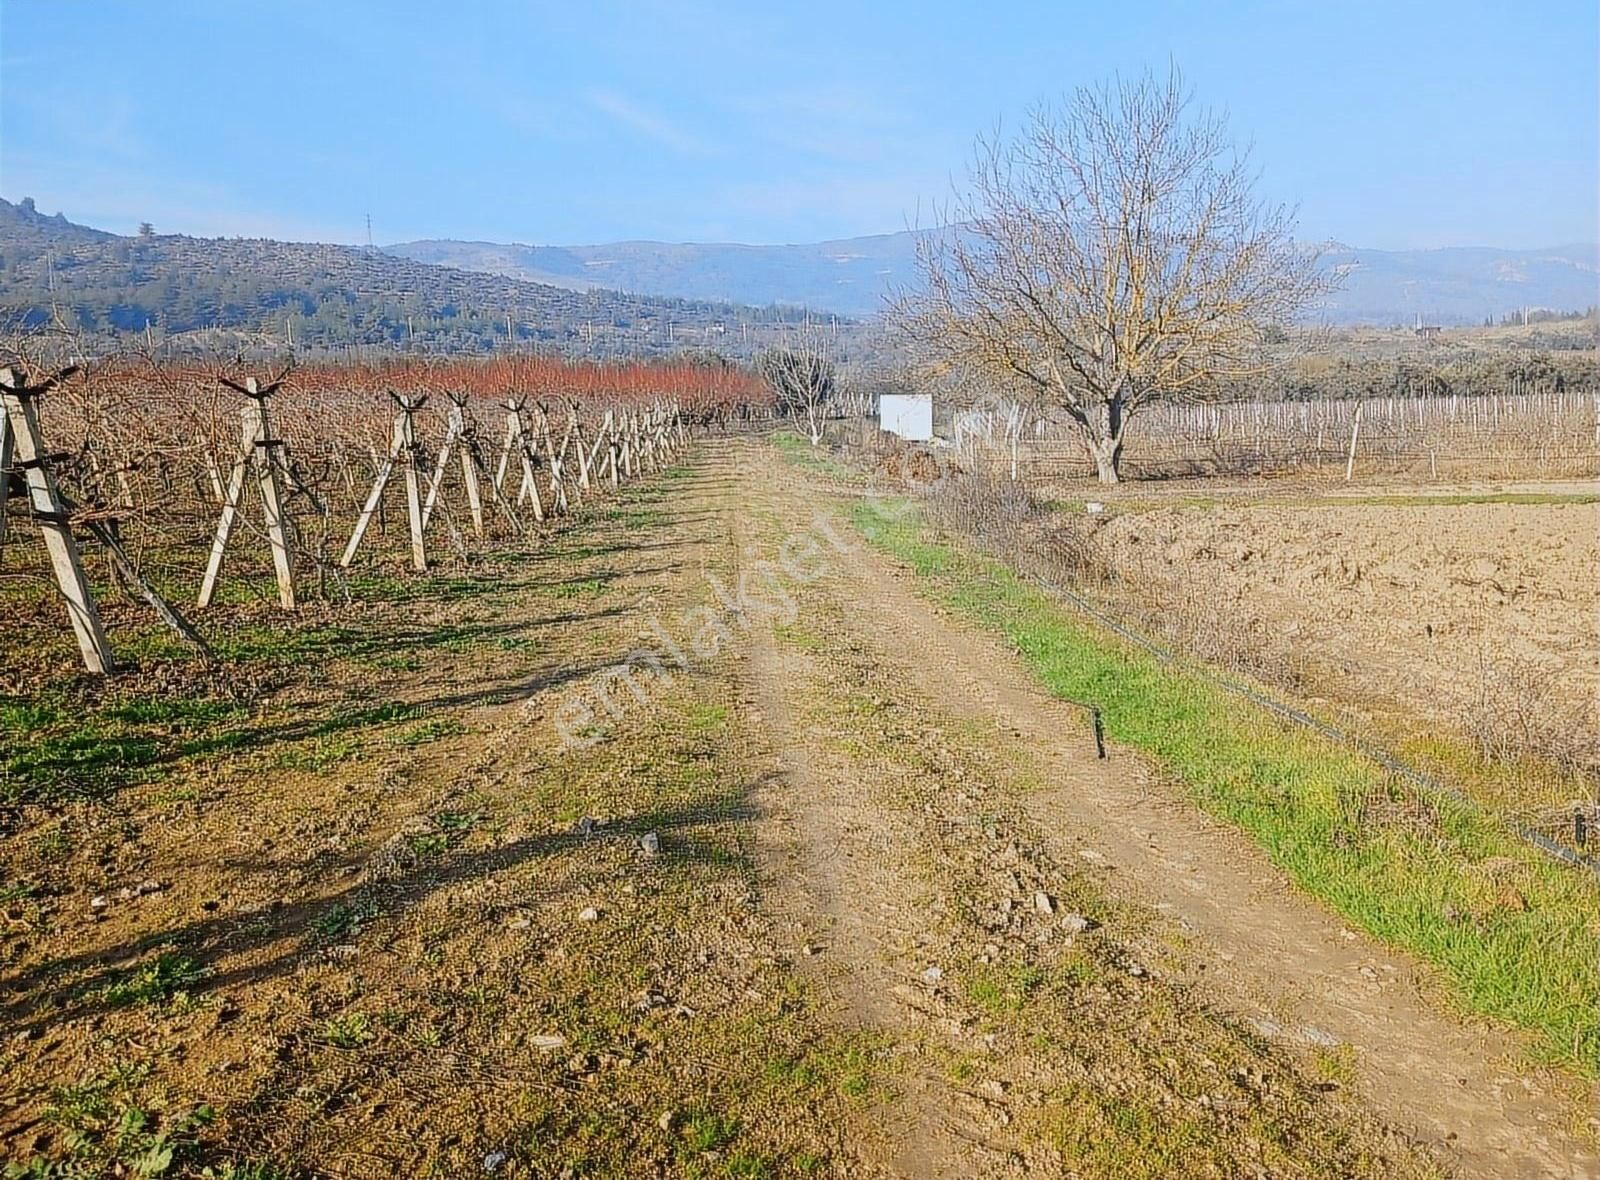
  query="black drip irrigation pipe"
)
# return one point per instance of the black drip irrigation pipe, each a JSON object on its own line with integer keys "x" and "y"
{"x": 1382, "y": 757}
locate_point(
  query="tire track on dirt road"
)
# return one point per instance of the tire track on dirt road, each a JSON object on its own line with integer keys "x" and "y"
{"x": 883, "y": 831}
{"x": 841, "y": 900}
{"x": 1287, "y": 967}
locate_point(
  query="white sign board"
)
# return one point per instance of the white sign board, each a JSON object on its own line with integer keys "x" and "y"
{"x": 910, "y": 415}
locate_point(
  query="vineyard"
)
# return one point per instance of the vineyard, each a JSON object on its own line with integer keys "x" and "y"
{"x": 157, "y": 462}
{"x": 1549, "y": 435}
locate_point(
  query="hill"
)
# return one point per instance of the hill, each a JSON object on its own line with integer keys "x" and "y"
{"x": 627, "y": 298}
{"x": 217, "y": 292}
{"x": 1462, "y": 285}
{"x": 1459, "y": 285}
{"x": 848, "y": 276}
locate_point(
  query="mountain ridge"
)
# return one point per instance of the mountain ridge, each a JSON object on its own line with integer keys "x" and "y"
{"x": 620, "y": 298}
{"x": 1448, "y": 285}
{"x": 106, "y": 286}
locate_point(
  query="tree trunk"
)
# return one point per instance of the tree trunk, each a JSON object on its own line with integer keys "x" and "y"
{"x": 1107, "y": 459}
{"x": 1105, "y": 444}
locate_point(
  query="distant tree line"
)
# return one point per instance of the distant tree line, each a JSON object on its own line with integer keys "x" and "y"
{"x": 1540, "y": 315}
{"x": 1481, "y": 374}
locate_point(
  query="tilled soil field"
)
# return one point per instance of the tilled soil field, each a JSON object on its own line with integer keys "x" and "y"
{"x": 1428, "y": 604}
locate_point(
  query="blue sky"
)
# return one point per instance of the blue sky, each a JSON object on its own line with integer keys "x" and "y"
{"x": 1389, "y": 124}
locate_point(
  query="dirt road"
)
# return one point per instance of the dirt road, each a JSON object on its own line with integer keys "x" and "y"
{"x": 1254, "y": 949}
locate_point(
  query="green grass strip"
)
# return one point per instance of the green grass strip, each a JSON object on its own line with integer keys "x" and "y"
{"x": 1514, "y": 934}
{"x": 799, "y": 451}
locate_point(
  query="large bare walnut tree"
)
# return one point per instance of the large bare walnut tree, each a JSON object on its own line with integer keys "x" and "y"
{"x": 1110, "y": 255}
{"x": 802, "y": 377}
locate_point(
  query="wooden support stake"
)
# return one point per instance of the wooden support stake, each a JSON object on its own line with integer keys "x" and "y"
{"x": 267, "y": 461}
{"x": 230, "y": 508}
{"x": 419, "y": 552}
{"x": 558, "y": 492}
{"x": 28, "y": 450}
{"x": 599, "y": 439}
{"x": 458, "y": 437}
{"x": 583, "y": 451}
{"x": 439, "y": 468}
{"x": 5, "y": 472}
{"x": 1355, "y": 433}
{"x": 130, "y": 573}
{"x": 473, "y": 454}
{"x": 214, "y": 474}
{"x": 505, "y": 451}
{"x": 529, "y": 488}
{"x": 257, "y": 449}
{"x": 469, "y": 475}
{"x": 375, "y": 497}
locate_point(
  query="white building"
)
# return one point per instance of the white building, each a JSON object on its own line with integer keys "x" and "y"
{"x": 910, "y": 415}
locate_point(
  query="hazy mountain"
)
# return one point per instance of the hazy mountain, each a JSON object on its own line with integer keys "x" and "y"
{"x": 456, "y": 296}
{"x": 1461, "y": 284}
{"x": 106, "y": 286}
{"x": 850, "y": 276}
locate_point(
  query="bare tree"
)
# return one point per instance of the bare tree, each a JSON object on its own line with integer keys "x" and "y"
{"x": 1111, "y": 255}
{"x": 803, "y": 380}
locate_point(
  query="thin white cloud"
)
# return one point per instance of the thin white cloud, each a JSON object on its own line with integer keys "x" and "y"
{"x": 649, "y": 123}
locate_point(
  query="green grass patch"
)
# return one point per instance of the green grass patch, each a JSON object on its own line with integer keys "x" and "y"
{"x": 1110, "y": 1136}
{"x": 799, "y": 451}
{"x": 578, "y": 587}
{"x": 430, "y": 730}
{"x": 106, "y": 1131}
{"x": 705, "y": 718}
{"x": 348, "y": 1030}
{"x": 345, "y": 919}
{"x": 52, "y": 750}
{"x": 317, "y": 754}
{"x": 168, "y": 977}
{"x": 1511, "y": 931}
{"x": 797, "y": 636}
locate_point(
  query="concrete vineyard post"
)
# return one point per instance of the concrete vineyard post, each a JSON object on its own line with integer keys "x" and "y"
{"x": 403, "y": 449}
{"x": 28, "y": 455}
{"x": 230, "y": 508}
{"x": 466, "y": 443}
{"x": 411, "y": 453}
{"x": 375, "y": 497}
{"x": 441, "y": 464}
{"x": 1355, "y": 433}
{"x": 267, "y": 462}
{"x": 5, "y": 472}
{"x": 257, "y": 448}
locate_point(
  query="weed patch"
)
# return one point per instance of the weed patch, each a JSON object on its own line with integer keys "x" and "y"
{"x": 169, "y": 977}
